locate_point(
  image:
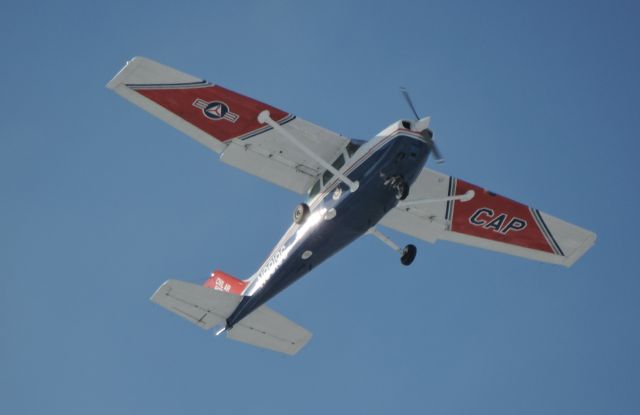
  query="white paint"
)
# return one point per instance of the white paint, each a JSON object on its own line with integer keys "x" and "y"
{"x": 265, "y": 117}
{"x": 331, "y": 213}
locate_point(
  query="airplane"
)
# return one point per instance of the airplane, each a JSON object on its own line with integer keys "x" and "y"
{"x": 351, "y": 187}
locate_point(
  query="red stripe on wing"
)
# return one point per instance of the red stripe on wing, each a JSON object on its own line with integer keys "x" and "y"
{"x": 180, "y": 101}
{"x": 497, "y": 218}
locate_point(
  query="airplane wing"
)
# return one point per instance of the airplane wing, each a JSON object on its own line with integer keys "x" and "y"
{"x": 488, "y": 221}
{"x": 226, "y": 122}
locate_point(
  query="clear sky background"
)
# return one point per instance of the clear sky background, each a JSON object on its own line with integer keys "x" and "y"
{"x": 100, "y": 203}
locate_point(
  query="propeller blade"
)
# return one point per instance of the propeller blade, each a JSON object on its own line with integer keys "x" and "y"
{"x": 406, "y": 96}
{"x": 437, "y": 155}
{"x": 422, "y": 125}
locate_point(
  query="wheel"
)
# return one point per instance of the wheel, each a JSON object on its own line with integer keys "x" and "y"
{"x": 402, "y": 190}
{"x": 300, "y": 213}
{"x": 408, "y": 254}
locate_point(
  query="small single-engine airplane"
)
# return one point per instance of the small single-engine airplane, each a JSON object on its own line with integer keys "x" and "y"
{"x": 351, "y": 187}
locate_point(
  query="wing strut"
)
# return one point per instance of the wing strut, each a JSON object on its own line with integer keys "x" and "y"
{"x": 265, "y": 118}
{"x": 463, "y": 198}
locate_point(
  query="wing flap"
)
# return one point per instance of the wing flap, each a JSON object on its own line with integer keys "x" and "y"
{"x": 270, "y": 330}
{"x": 269, "y": 167}
{"x": 411, "y": 223}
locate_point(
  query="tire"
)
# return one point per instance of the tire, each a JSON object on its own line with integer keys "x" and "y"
{"x": 402, "y": 190}
{"x": 300, "y": 213}
{"x": 408, "y": 254}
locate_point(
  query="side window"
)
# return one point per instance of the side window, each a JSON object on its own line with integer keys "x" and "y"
{"x": 339, "y": 162}
{"x": 315, "y": 189}
{"x": 352, "y": 148}
{"x": 326, "y": 177}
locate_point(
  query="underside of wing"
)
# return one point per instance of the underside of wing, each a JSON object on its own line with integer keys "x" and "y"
{"x": 487, "y": 220}
{"x": 204, "y": 307}
{"x": 226, "y": 122}
{"x": 270, "y": 330}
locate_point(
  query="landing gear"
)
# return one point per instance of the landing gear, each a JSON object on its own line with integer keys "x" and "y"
{"x": 300, "y": 213}
{"x": 407, "y": 255}
{"x": 398, "y": 184}
{"x": 402, "y": 190}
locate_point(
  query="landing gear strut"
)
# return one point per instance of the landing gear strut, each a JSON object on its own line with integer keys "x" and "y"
{"x": 300, "y": 213}
{"x": 407, "y": 254}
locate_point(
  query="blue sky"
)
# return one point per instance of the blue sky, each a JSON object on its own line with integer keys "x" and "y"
{"x": 101, "y": 203}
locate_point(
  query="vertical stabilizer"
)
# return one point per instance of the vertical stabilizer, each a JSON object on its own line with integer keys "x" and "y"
{"x": 224, "y": 282}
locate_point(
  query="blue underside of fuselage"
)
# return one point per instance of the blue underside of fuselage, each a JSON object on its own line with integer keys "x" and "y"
{"x": 355, "y": 213}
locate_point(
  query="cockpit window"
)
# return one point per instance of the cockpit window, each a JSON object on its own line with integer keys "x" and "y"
{"x": 406, "y": 124}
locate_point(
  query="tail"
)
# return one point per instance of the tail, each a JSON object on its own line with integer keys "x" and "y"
{"x": 210, "y": 305}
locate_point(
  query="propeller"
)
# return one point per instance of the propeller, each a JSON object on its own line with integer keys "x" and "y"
{"x": 422, "y": 125}
{"x": 406, "y": 96}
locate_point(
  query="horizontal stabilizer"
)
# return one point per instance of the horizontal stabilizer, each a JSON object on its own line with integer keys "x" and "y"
{"x": 202, "y": 306}
{"x": 267, "y": 329}
{"x": 209, "y": 307}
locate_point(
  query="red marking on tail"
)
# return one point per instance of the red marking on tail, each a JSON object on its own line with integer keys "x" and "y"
{"x": 224, "y": 282}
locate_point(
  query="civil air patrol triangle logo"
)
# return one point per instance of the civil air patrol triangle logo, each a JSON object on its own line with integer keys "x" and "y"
{"x": 216, "y": 110}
